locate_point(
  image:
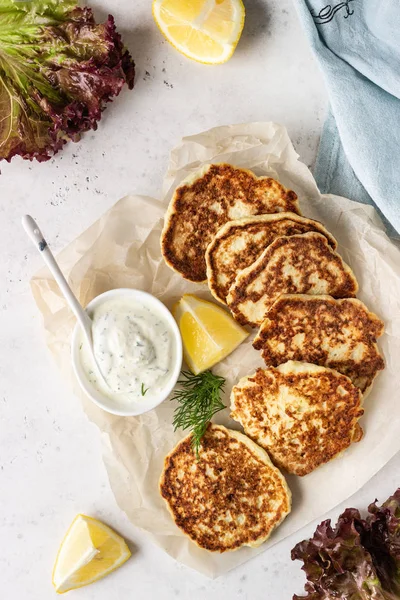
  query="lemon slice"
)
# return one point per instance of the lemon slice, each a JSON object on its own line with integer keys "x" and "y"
{"x": 208, "y": 332}
{"x": 205, "y": 30}
{"x": 89, "y": 551}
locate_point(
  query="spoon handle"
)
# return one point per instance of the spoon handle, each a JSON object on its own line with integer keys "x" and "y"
{"x": 37, "y": 238}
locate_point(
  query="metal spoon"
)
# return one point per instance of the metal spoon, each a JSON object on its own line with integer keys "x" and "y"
{"x": 80, "y": 313}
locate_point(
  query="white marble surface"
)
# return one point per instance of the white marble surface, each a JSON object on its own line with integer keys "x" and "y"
{"x": 50, "y": 456}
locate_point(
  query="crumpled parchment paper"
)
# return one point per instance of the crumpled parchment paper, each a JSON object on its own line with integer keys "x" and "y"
{"x": 122, "y": 250}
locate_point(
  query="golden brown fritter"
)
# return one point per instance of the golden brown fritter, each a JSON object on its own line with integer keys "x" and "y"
{"x": 299, "y": 264}
{"x": 238, "y": 244}
{"x": 232, "y": 496}
{"x": 206, "y": 201}
{"x": 340, "y": 334}
{"x": 302, "y": 414}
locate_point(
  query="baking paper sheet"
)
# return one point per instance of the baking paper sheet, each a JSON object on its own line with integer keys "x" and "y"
{"x": 122, "y": 250}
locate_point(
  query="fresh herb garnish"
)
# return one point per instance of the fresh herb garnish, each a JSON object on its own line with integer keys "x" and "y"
{"x": 198, "y": 401}
{"x": 144, "y": 391}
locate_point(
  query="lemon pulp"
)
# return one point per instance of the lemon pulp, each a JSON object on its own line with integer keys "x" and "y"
{"x": 205, "y": 30}
{"x": 90, "y": 550}
{"x": 209, "y": 333}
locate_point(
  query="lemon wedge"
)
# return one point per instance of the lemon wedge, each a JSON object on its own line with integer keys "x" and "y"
{"x": 208, "y": 332}
{"x": 89, "y": 551}
{"x": 205, "y": 30}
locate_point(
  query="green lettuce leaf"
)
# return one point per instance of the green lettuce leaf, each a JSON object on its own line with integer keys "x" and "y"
{"x": 58, "y": 68}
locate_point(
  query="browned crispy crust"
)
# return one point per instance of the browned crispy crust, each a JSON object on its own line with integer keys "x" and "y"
{"x": 358, "y": 434}
{"x": 230, "y": 481}
{"x": 259, "y": 234}
{"x": 309, "y": 254}
{"x": 323, "y": 326}
{"x": 198, "y": 210}
{"x": 294, "y": 442}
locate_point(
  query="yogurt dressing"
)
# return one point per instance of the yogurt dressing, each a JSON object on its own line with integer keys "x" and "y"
{"x": 135, "y": 350}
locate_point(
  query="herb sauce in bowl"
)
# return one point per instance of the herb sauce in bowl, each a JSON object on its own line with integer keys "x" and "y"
{"x": 138, "y": 350}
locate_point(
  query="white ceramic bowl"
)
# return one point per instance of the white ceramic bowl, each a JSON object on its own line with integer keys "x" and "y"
{"x": 121, "y": 407}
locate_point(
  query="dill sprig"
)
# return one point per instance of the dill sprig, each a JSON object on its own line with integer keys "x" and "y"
{"x": 198, "y": 401}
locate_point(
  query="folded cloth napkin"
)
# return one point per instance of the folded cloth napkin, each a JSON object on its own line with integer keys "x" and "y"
{"x": 357, "y": 43}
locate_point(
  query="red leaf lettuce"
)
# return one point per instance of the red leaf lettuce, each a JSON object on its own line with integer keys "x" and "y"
{"x": 58, "y": 68}
{"x": 357, "y": 560}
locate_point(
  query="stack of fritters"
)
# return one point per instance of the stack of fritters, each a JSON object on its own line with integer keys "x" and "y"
{"x": 206, "y": 201}
{"x": 238, "y": 244}
{"x": 280, "y": 272}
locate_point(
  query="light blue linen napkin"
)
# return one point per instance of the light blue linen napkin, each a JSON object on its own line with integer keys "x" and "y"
{"x": 357, "y": 43}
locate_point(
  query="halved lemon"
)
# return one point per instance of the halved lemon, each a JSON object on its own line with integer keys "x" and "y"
{"x": 208, "y": 332}
{"x": 205, "y": 30}
{"x": 89, "y": 551}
